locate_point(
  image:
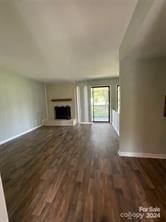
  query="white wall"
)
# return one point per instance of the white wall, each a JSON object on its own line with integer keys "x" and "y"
{"x": 143, "y": 86}
{"x": 83, "y": 103}
{"x": 3, "y": 210}
{"x": 115, "y": 120}
{"x": 60, "y": 91}
{"x": 85, "y": 95}
{"x": 22, "y": 105}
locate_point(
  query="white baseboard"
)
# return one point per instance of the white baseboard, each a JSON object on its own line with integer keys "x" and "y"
{"x": 142, "y": 155}
{"x": 20, "y": 134}
{"x": 89, "y": 123}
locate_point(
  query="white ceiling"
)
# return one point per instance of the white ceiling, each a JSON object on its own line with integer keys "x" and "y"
{"x": 53, "y": 40}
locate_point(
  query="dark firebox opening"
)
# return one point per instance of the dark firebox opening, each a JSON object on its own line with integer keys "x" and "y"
{"x": 62, "y": 112}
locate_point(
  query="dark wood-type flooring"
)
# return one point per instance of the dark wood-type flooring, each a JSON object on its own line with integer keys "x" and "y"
{"x": 74, "y": 174}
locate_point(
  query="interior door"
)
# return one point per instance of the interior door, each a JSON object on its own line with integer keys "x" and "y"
{"x": 100, "y": 104}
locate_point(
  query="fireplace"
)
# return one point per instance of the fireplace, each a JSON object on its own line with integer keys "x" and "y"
{"x": 62, "y": 112}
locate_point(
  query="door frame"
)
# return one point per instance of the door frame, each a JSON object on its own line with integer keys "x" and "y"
{"x": 109, "y": 113}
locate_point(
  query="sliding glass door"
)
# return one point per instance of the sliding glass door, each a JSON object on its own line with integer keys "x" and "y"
{"x": 100, "y": 104}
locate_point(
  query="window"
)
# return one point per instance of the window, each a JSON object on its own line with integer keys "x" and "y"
{"x": 118, "y": 98}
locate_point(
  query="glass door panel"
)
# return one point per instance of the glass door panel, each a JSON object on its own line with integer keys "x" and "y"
{"x": 100, "y": 104}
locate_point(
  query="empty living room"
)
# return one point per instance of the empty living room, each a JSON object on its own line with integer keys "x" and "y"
{"x": 82, "y": 110}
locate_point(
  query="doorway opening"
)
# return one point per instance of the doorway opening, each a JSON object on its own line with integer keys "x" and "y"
{"x": 100, "y": 104}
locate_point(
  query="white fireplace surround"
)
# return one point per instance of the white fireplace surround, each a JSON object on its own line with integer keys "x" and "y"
{"x": 57, "y": 92}
{"x": 60, "y": 122}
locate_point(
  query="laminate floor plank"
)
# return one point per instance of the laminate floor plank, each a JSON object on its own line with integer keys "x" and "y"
{"x": 74, "y": 174}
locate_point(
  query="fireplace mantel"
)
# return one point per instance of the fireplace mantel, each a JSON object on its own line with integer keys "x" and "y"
{"x": 61, "y": 100}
